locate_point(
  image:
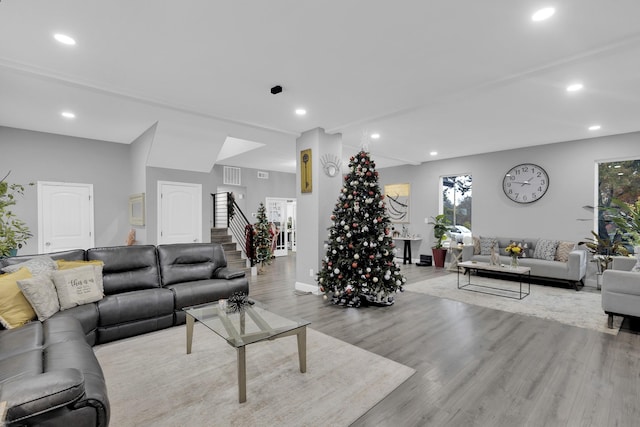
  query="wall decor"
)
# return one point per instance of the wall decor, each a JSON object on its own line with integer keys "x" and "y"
{"x": 525, "y": 183}
{"x": 306, "y": 183}
{"x": 330, "y": 164}
{"x": 398, "y": 202}
{"x": 136, "y": 209}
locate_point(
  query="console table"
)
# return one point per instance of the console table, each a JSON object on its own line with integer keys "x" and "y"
{"x": 407, "y": 247}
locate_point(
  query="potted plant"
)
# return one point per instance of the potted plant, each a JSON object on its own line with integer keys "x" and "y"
{"x": 627, "y": 217}
{"x": 440, "y": 227}
{"x": 603, "y": 250}
{"x": 14, "y": 232}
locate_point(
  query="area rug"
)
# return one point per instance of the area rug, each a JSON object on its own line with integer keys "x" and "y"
{"x": 582, "y": 309}
{"x": 151, "y": 381}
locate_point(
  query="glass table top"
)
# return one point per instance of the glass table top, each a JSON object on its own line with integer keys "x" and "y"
{"x": 253, "y": 324}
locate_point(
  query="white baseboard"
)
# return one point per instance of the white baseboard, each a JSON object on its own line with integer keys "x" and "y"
{"x": 305, "y": 287}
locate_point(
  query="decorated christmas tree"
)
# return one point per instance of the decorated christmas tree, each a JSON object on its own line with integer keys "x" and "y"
{"x": 262, "y": 238}
{"x": 359, "y": 265}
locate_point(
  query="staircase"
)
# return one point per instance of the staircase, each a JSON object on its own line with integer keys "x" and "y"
{"x": 231, "y": 252}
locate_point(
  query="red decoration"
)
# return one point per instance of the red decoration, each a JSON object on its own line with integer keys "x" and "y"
{"x": 371, "y": 256}
{"x": 354, "y": 264}
{"x": 346, "y": 206}
{"x": 368, "y": 173}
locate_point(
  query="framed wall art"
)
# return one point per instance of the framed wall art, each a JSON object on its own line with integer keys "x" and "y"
{"x": 306, "y": 183}
{"x": 397, "y": 202}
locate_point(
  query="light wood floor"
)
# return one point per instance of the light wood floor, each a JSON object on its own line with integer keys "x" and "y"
{"x": 475, "y": 366}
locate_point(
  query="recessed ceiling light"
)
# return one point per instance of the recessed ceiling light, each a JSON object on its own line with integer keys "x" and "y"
{"x": 68, "y": 115}
{"x": 433, "y": 153}
{"x": 543, "y": 14}
{"x": 375, "y": 135}
{"x": 64, "y": 39}
{"x": 595, "y": 127}
{"x": 574, "y": 87}
{"x": 301, "y": 111}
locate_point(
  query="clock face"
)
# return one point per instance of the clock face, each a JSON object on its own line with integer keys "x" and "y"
{"x": 525, "y": 183}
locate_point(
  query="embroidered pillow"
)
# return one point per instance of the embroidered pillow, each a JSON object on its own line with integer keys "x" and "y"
{"x": 546, "y": 249}
{"x": 486, "y": 243}
{"x": 36, "y": 265}
{"x": 563, "y": 251}
{"x": 41, "y": 294}
{"x": 67, "y": 265}
{"x": 77, "y": 286}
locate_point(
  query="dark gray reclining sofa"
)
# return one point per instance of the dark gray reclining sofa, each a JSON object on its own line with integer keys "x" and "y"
{"x": 49, "y": 374}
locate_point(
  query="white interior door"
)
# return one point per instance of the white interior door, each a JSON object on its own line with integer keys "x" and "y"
{"x": 179, "y": 212}
{"x": 65, "y": 216}
{"x": 276, "y": 214}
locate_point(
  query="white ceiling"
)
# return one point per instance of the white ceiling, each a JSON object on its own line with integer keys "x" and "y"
{"x": 456, "y": 77}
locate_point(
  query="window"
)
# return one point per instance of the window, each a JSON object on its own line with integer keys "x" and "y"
{"x": 456, "y": 203}
{"x": 619, "y": 180}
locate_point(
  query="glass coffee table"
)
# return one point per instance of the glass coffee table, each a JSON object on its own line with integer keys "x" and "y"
{"x": 255, "y": 323}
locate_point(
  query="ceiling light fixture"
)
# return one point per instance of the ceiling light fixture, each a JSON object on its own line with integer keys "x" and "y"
{"x": 68, "y": 115}
{"x": 543, "y": 14}
{"x": 375, "y": 136}
{"x": 64, "y": 39}
{"x": 301, "y": 111}
{"x": 574, "y": 87}
{"x": 433, "y": 153}
{"x": 595, "y": 127}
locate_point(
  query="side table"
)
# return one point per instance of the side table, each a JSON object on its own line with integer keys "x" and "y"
{"x": 407, "y": 247}
{"x": 456, "y": 257}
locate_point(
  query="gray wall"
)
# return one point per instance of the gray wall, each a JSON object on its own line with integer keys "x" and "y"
{"x": 279, "y": 184}
{"x": 571, "y": 168}
{"x": 116, "y": 171}
{"x": 36, "y": 156}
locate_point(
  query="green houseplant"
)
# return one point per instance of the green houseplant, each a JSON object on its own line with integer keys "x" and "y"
{"x": 440, "y": 227}
{"x": 627, "y": 217}
{"x": 14, "y": 232}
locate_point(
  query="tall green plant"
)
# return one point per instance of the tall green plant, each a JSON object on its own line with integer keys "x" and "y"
{"x": 14, "y": 232}
{"x": 440, "y": 226}
{"x": 627, "y": 217}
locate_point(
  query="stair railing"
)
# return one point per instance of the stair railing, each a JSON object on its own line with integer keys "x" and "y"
{"x": 227, "y": 214}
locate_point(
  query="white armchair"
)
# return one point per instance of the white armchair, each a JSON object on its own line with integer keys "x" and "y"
{"x": 621, "y": 289}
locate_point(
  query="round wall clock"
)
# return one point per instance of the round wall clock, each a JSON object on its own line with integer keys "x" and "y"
{"x": 525, "y": 183}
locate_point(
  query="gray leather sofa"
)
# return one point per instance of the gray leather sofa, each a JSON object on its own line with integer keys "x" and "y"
{"x": 49, "y": 374}
{"x": 621, "y": 289}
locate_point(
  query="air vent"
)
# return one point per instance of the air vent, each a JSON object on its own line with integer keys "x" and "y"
{"x": 263, "y": 175}
{"x": 231, "y": 176}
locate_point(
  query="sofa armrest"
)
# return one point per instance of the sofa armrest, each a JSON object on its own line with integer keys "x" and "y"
{"x": 27, "y": 396}
{"x": 623, "y": 282}
{"x": 227, "y": 274}
{"x": 577, "y": 265}
{"x": 467, "y": 252}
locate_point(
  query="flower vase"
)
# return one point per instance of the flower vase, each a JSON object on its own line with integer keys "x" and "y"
{"x": 514, "y": 263}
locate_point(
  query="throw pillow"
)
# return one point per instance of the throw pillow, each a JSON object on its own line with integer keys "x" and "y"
{"x": 563, "y": 251}
{"x": 546, "y": 249}
{"x": 41, "y": 294}
{"x": 76, "y": 286}
{"x": 36, "y": 265}
{"x": 486, "y": 243}
{"x": 15, "y": 310}
{"x": 67, "y": 265}
{"x": 476, "y": 245}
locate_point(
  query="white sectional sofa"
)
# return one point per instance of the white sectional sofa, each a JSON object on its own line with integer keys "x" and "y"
{"x": 564, "y": 263}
